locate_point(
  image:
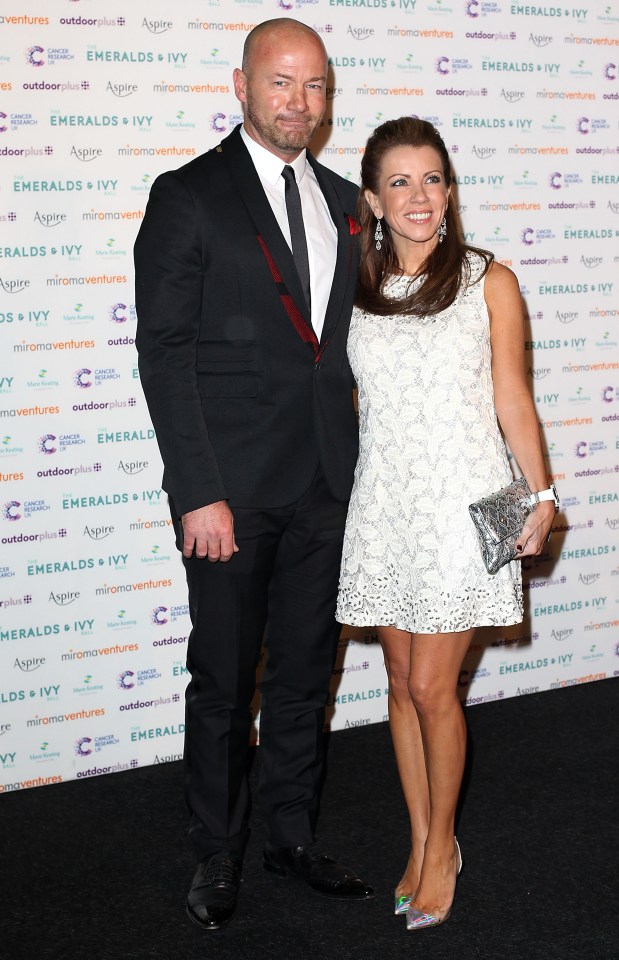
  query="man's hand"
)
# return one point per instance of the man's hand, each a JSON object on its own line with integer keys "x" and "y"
{"x": 210, "y": 532}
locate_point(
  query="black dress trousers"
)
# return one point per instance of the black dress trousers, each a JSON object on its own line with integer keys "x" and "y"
{"x": 282, "y": 584}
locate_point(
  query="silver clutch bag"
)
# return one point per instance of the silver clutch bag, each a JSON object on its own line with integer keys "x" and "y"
{"x": 499, "y": 519}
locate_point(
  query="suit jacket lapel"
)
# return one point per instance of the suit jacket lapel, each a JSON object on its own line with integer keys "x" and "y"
{"x": 250, "y": 190}
{"x": 343, "y": 261}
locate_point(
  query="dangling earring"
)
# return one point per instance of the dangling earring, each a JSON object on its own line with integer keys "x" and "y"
{"x": 442, "y": 230}
{"x": 378, "y": 235}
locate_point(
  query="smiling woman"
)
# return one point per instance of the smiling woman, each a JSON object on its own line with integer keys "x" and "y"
{"x": 435, "y": 345}
{"x": 406, "y": 175}
{"x": 412, "y": 195}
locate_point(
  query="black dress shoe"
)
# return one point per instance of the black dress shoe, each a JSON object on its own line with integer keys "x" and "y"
{"x": 322, "y": 874}
{"x": 214, "y": 891}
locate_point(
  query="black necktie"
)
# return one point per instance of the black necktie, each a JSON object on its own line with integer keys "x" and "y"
{"x": 297, "y": 230}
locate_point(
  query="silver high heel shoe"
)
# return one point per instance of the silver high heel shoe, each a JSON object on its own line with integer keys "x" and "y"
{"x": 402, "y": 903}
{"x": 417, "y": 919}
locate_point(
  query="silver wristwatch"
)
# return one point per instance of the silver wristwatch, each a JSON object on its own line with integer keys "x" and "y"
{"x": 549, "y": 494}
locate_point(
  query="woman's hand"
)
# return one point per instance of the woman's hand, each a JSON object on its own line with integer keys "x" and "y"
{"x": 536, "y": 530}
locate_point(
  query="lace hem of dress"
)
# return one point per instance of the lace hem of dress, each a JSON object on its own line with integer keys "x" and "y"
{"x": 441, "y": 612}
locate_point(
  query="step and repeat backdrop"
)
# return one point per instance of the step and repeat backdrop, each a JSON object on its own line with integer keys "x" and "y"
{"x": 96, "y": 99}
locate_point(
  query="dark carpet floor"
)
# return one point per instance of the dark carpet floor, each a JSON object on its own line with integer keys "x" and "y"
{"x": 99, "y": 869}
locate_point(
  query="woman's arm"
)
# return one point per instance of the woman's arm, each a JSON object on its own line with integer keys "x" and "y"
{"x": 514, "y": 405}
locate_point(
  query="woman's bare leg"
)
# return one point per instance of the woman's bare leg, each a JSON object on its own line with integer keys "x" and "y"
{"x": 436, "y": 661}
{"x": 408, "y": 747}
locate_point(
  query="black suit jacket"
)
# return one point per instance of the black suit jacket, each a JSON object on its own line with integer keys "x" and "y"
{"x": 244, "y": 405}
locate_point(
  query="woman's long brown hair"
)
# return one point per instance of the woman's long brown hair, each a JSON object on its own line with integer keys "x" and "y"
{"x": 447, "y": 266}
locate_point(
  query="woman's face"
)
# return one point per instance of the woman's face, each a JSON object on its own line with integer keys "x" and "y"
{"x": 412, "y": 197}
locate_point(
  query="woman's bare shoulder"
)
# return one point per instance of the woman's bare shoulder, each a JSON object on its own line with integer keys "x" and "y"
{"x": 500, "y": 282}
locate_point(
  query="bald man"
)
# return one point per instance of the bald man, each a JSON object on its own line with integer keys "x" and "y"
{"x": 246, "y": 265}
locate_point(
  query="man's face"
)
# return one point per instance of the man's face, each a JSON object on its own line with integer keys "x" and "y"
{"x": 283, "y": 91}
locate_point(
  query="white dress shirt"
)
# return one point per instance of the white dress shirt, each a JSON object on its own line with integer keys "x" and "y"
{"x": 320, "y": 230}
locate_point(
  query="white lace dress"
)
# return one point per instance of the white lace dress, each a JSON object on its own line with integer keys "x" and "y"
{"x": 429, "y": 445}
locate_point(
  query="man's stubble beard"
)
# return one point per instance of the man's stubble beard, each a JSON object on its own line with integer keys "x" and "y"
{"x": 283, "y": 140}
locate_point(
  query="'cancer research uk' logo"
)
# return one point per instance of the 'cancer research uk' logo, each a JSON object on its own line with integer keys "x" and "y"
{"x": 10, "y": 511}
{"x": 80, "y": 380}
{"x": 220, "y": 122}
{"x": 581, "y": 449}
{"x": 81, "y": 747}
{"x": 158, "y": 616}
{"x": 34, "y": 56}
{"x": 46, "y": 443}
{"x": 121, "y": 312}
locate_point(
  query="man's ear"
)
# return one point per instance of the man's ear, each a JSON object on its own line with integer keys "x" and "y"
{"x": 240, "y": 85}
